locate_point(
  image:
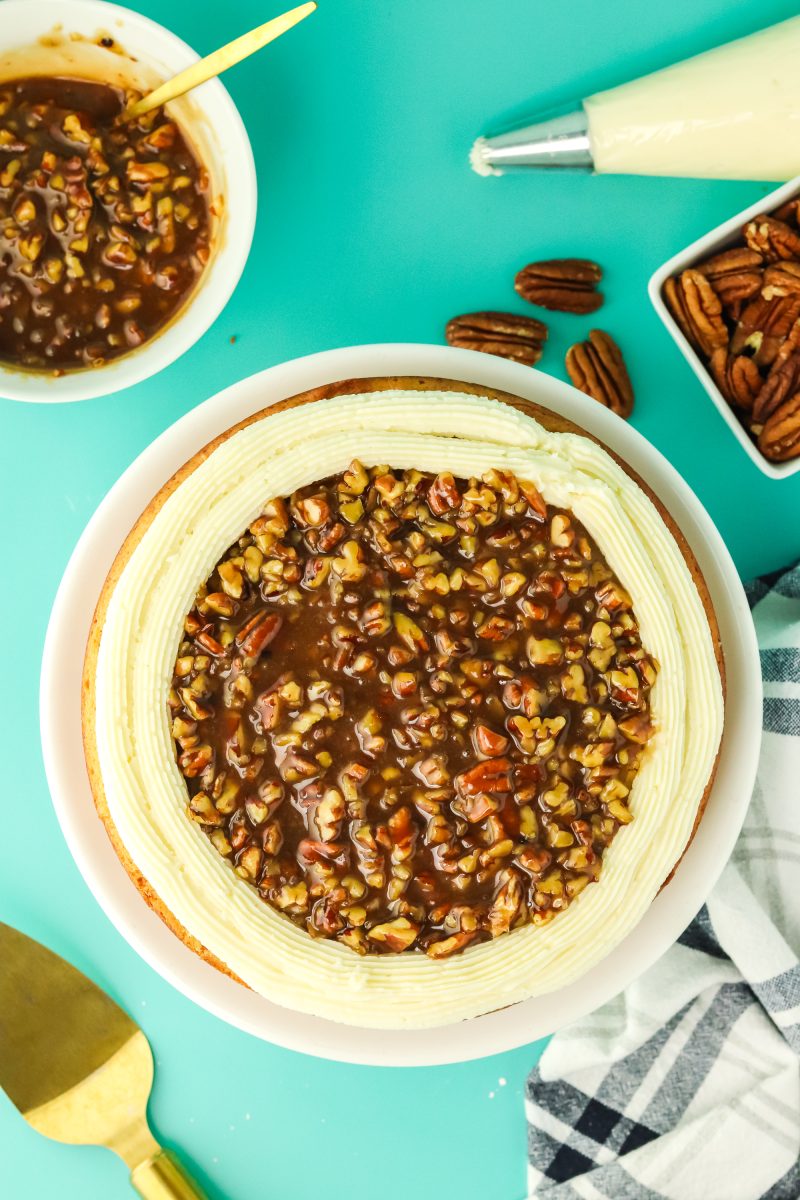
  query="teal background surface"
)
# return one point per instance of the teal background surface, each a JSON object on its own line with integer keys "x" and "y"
{"x": 371, "y": 228}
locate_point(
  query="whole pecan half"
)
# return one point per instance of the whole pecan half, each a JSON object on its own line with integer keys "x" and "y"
{"x": 735, "y": 275}
{"x": 788, "y": 211}
{"x": 783, "y": 381}
{"x": 562, "y": 284}
{"x": 781, "y": 279}
{"x": 788, "y": 346}
{"x": 763, "y": 327}
{"x": 673, "y": 297}
{"x": 772, "y": 237}
{"x": 505, "y": 334}
{"x": 779, "y": 440}
{"x": 703, "y": 310}
{"x": 598, "y": 369}
{"x": 737, "y": 377}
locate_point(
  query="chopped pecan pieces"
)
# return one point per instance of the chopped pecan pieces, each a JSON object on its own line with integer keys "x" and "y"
{"x": 443, "y": 495}
{"x": 561, "y": 284}
{"x": 396, "y": 935}
{"x": 421, "y": 733}
{"x": 257, "y": 634}
{"x": 489, "y": 742}
{"x": 492, "y": 776}
{"x": 506, "y": 904}
{"x": 449, "y": 945}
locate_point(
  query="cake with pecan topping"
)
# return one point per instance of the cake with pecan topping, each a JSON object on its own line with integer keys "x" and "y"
{"x": 402, "y": 726}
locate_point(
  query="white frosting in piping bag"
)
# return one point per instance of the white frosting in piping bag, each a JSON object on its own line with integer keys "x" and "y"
{"x": 146, "y": 793}
{"x": 731, "y": 113}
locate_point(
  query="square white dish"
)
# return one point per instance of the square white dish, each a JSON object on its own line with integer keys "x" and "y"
{"x": 712, "y": 243}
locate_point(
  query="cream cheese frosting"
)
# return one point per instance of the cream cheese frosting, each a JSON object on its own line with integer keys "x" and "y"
{"x": 146, "y": 794}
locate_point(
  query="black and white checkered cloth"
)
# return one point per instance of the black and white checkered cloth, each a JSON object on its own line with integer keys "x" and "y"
{"x": 687, "y": 1086}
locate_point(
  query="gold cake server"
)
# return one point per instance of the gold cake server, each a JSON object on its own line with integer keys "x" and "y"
{"x": 77, "y": 1067}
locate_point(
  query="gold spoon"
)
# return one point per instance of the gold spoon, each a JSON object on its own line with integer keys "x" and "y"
{"x": 214, "y": 64}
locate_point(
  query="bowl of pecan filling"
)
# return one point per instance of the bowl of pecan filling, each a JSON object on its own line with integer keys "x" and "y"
{"x": 121, "y": 238}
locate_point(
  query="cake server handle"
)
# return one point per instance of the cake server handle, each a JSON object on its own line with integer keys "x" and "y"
{"x": 161, "y": 1177}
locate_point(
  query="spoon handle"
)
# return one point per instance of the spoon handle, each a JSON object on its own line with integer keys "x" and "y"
{"x": 214, "y": 64}
{"x": 161, "y": 1177}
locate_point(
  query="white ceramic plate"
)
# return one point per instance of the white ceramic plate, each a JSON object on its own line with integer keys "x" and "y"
{"x": 63, "y": 754}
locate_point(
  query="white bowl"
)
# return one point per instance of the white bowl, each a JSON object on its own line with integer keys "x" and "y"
{"x": 213, "y": 126}
{"x": 66, "y": 772}
{"x": 711, "y": 243}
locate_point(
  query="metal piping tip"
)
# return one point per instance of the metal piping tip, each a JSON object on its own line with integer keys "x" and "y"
{"x": 561, "y": 142}
{"x": 479, "y": 158}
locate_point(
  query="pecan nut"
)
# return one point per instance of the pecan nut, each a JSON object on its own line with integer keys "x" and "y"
{"x": 782, "y": 379}
{"x": 259, "y": 631}
{"x": 781, "y": 383}
{"x": 735, "y": 275}
{"x": 561, "y": 284}
{"x": 772, "y": 237}
{"x": 597, "y": 368}
{"x": 737, "y": 377}
{"x": 494, "y": 775}
{"x": 788, "y": 211}
{"x": 443, "y": 494}
{"x": 505, "y": 334}
{"x": 763, "y": 327}
{"x": 779, "y": 440}
{"x": 673, "y": 298}
{"x": 781, "y": 279}
{"x": 788, "y": 347}
{"x": 703, "y": 312}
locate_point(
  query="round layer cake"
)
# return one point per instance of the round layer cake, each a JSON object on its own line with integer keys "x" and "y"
{"x": 401, "y": 708}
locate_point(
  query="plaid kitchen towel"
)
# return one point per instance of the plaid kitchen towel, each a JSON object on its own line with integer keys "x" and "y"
{"x": 687, "y": 1086}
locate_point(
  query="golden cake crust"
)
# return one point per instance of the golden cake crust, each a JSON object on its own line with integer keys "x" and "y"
{"x": 548, "y": 419}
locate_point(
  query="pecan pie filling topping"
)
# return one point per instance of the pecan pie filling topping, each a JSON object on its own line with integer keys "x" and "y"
{"x": 105, "y": 223}
{"x": 409, "y": 709}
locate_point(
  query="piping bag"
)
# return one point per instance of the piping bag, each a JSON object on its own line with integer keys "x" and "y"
{"x": 730, "y": 113}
